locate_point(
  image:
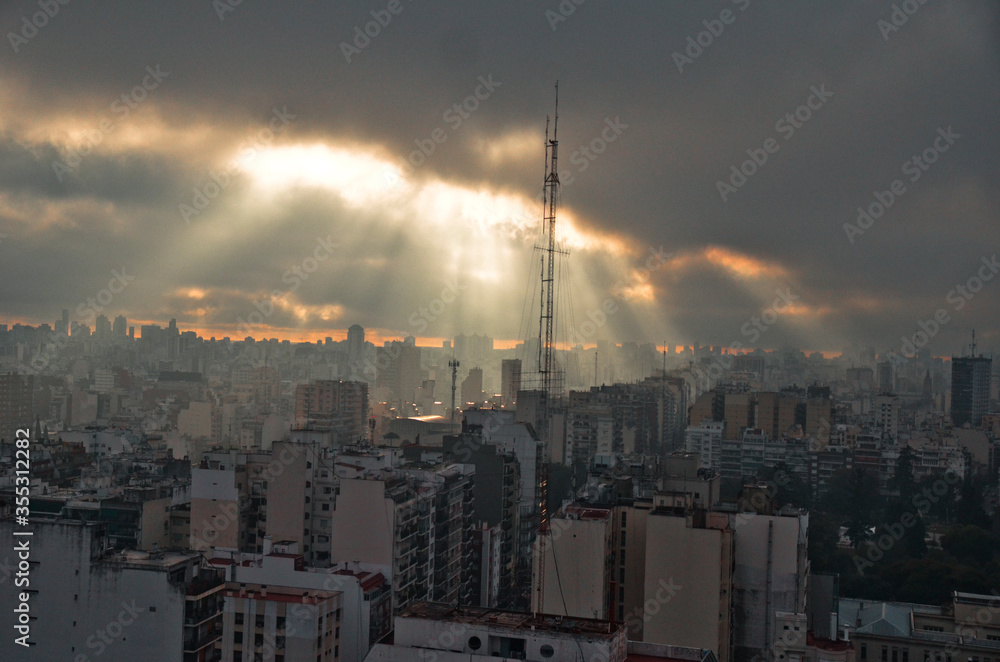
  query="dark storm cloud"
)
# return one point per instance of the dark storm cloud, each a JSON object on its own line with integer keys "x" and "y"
{"x": 655, "y": 184}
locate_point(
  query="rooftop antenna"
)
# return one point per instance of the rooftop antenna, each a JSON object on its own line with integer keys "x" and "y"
{"x": 973, "y": 342}
{"x": 551, "y": 384}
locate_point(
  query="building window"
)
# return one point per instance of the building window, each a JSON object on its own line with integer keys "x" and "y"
{"x": 259, "y": 621}
{"x": 546, "y": 651}
{"x": 885, "y": 654}
{"x": 864, "y": 652}
{"x": 239, "y": 618}
{"x": 475, "y": 643}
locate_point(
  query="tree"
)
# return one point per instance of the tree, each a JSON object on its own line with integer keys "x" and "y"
{"x": 970, "y": 545}
{"x": 969, "y": 509}
{"x": 903, "y": 481}
{"x": 853, "y": 494}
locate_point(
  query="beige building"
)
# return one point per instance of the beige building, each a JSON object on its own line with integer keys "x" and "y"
{"x": 967, "y": 630}
{"x": 261, "y": 623}
{"x": 579, "y": 553}
{"x": 688, "y": 581}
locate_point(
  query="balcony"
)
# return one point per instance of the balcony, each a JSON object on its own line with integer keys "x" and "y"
{"x": 194, "y": 645}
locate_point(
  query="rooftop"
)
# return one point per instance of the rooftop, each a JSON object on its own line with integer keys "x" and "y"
{"x": 514, "y": 620}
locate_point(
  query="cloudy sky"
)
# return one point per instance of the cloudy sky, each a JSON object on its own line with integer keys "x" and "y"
{"x": 266, "y": 157}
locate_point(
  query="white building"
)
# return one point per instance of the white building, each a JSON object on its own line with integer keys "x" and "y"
{"x": 131, "y": 606}
{"x": 473, "y": 634}
{"x": 706, "y": 441}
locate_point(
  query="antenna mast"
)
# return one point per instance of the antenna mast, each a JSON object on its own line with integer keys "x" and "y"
{"x": 551, "y": 385}
{"x": 551, "y": 382}
{"x": 453, "y": 364}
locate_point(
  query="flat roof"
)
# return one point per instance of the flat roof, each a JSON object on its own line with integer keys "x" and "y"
{"x": 514, "y": 620}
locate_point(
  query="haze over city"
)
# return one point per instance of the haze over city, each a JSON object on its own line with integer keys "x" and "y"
{"x": 547, "y": 331}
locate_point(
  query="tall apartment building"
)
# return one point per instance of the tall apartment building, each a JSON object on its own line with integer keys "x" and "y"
{"x": 413, "y": 523}
{"x": 398, "y": 366}
{"x": 472, "y": 387}
{"x": 677, "y": 571}
{"x": 887, "y": 414}
{"x": 970, "y": 389}
{"x": 510, "y": 381}
{"x": 579, "y": 548}
{"x": 705, "y": 439}
{"x": 590, "y": 429}
{"x": 496, "y": 494}
{"x": 339, "y": 405}
{"x": 355, "y": 343}
{"x": 500, "y": 429}
{"x": 262, "y": 622}
{"x": 135, "y": 605}
{"x": 17, "y": 404}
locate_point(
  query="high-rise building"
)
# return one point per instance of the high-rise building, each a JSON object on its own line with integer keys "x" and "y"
{"x": 134, "y": 605}
{"x": 355, "y": 342}
{"x": 17, "y": 403}
{"x": 335, "y": 404}
{"x": 120, "y": 328}
{"x": 102, "y": 328}
{"x": 399, "y": 369}
{"x": 472, "y": 387}
{"x": 886, "y": 377}
{"x": 510, "y": 381}
{"x": 970, "y": 389}
{"x": 62, "y": 324}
